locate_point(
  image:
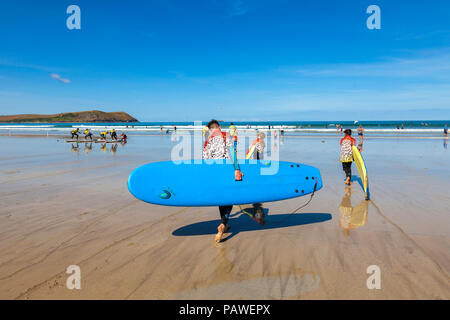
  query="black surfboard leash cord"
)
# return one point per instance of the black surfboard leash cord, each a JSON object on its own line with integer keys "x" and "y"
{"x": 293, "y": 212}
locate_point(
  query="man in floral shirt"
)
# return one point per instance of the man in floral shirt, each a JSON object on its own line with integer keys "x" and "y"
{"x": 347, "y": 155}
{"x": 217, "y": 146}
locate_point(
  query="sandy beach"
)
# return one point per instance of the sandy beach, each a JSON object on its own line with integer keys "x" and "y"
{"x": 65, "y": 205}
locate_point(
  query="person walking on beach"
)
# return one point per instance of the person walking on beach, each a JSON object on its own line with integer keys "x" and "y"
{"x": 103, "y": 135}
{"x": 233, "y": 134}
{"x": 75, "y": 133}
{"x": 361, "y": 134}
{"x": 87, "y": 134}
{"x": 205, "y": 132}
{"x": 445, "y": 130}
{"x": 347, "y": 155}
{"x": 259, "y": 146}
{"x": 217, "y": 146}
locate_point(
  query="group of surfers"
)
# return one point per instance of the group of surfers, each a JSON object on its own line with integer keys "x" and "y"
{"x": 220, "y": 145}
{"x": 103, "y": 135}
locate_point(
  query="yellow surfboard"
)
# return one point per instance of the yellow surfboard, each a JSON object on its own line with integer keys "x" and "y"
{"x": 250, "y": 151}
{"x": 359, "y": 161}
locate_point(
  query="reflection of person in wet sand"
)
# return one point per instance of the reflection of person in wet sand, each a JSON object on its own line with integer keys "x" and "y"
{"x": 351, "y": 217}
{"x": 75, "y": 147}
{"x": 360, "y": 147}
{"x": 87, "y": 147}
{"x": 114, "y": 148}
{"x": 103, "y": 147}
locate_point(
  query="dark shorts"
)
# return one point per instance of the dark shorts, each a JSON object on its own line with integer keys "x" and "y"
{"x": 360, "y": 134}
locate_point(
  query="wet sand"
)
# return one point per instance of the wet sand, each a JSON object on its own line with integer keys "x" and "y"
{"x": 62, "y": 205}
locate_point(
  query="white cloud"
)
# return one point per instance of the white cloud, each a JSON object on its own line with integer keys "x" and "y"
{"x": 58, "y": 77}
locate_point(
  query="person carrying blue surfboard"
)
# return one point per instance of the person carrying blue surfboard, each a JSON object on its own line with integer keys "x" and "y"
{"x": 217, "y": 146}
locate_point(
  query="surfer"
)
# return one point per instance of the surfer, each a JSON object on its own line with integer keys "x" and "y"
{"x": 259, "y": 145}
{"x": 217, "y": 146}
{"x": 123, "y": 137}
{"x": 205, "y": 131}
{"x": 445, "y": 130}
{"x": 75, "y": 133}
{"x": 87, "y": 134}
{"x": 113, "y": 134}
{"x": 103, "y": 135}
{"x": 360, "y": 133}
{"x": 233, "y": 134}
{"x": 347, "y": 155}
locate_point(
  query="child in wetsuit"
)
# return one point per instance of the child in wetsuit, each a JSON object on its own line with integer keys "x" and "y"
{"x": 347, "y": 155}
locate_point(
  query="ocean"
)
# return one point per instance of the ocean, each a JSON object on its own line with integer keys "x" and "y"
{"x": 289, "y": 127}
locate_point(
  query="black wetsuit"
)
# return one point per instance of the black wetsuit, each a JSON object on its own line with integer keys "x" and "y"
{"x": 225, "y": 213}
{"x": 114, "y": 135}
{"x": 74, "y": 134}
{"x": 347, "y": 167}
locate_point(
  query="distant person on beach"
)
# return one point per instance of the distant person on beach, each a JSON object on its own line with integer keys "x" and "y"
{"x": 445, "y": 130}
{"x": 123, "y": 137}
{"x": 217, "y": 146}
{"x": 87, "y": 134}
{"x": 347, "y": 155}
{"x": 160, "y": 129}
{"x": 175, "y": 128}
{"x": 75, "y": 133}
{"x": 260, "y": 145}
{"x": 233, "y": 134}
{"x": 361, "y": 133}
{"x": 113, "y": 134}
{"x": 205, "y": 132}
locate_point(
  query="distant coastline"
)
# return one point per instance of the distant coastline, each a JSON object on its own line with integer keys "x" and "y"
{"x": 93, "y": 116}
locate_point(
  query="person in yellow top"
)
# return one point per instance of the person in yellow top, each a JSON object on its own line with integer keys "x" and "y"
{"x": 75, "y": 133}
{"x": 87, "y": 134}
{"x": 205, "y": 130}
{"x": 233, "y": 134}
{"x": 103, "y": 135}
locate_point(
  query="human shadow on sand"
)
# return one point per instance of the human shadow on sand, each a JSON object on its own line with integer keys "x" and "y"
{"x": 243, "y": 223}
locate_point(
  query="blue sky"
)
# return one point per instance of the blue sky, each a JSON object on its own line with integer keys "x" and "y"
{"x": 168, "y": 60}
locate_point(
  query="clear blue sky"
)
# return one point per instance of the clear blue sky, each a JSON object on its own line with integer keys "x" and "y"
{"x": 228, "y": 59}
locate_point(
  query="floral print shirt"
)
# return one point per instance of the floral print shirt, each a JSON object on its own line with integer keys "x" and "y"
{"x": 217, "y": 146}
{"x": 346, "y": 149}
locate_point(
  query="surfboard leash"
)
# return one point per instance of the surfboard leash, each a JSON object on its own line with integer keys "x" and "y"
{"x": 293, "y": 212}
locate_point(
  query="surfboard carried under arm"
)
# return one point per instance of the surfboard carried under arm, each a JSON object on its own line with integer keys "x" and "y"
{"x": 172, "y": 184}
{"x": 359, "y": 161}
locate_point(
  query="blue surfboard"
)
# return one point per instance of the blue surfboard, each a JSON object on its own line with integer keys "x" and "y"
{"x": 212, "y": 183}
